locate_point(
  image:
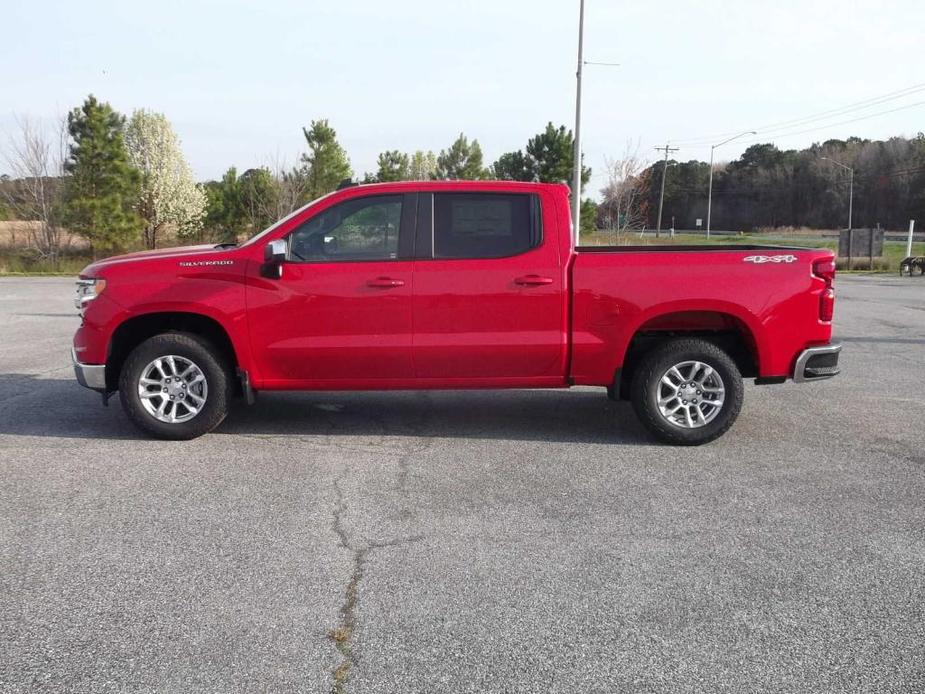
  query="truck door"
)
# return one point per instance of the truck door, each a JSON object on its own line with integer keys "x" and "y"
{"x": 340, "y": 314}
{"x": 488, "y": 305}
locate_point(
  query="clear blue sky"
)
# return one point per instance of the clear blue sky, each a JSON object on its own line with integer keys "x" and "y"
{"x": 239, "y": 79}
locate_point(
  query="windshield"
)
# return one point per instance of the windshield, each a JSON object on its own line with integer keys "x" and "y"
{"x": 254, "y": 239}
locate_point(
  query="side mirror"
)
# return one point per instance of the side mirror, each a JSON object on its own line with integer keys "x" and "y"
{"x": 274, "y": 255}
{"x": 275, "y": 252}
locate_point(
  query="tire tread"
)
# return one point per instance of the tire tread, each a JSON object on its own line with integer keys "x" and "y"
{"x": 649, "y": 368}
{"x": 207, "y": 356}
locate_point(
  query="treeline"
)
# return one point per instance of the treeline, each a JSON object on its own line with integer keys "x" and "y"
{"x": 123, "y": 182}
{"x": 117, "y": 182}
{"x": 241, "y": 204}
{"x": 769, "y": 187}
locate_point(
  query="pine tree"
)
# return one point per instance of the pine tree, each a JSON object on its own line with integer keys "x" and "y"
{"x": 550, "y": 156}
{"x": 462, "y": 161}
{"x": 513, "y": 166}
{"x": 102, "y": 188}
{"x": 225, "y": 208}
{"x": 326, "y": 163}
{"x": 393, "y": 166}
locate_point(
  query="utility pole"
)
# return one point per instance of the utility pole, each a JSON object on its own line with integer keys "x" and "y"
{"x": 661, "y": 198}
{"x": 576, "y": 174}
{"x": 909, "y": 242}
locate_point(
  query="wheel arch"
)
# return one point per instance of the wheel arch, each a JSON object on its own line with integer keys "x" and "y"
{"x": 135, "y": 330}
{"x": 729, "y": 330}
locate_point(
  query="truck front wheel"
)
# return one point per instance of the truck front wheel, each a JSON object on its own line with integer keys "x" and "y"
{"x": 687, "y": 391}
{"x": 173, "y": 386}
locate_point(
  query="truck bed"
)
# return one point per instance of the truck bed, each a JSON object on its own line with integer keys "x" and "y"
{"x": 687, "y": 248}
{"x": 767, "y": 293}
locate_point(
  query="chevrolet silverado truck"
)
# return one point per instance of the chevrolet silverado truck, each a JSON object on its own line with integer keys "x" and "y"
{"x": 450, "y": 285}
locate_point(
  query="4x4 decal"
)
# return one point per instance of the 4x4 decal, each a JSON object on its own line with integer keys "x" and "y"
{"x": 761, "y": 259}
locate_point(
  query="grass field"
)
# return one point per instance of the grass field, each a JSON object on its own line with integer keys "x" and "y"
{"x": 19, "y": 262}
{"x": 17, "y": 258}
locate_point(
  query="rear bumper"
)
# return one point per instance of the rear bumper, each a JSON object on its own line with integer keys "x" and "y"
{"x": 91, "y": 376}
{"x": 817, "y": 363}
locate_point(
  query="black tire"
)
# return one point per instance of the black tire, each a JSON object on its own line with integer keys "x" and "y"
{"x": 198, "y": 351}
{"x": 645, "y": 386}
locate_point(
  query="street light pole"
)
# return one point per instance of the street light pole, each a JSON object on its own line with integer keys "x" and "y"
{"x": 710, "y": 193}
{"x": 576, "y": 173}
{"x": 850, "y": 187}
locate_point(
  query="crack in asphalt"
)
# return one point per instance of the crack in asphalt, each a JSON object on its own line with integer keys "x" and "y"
{"x": 405, "y": 513}
{"x": 342, "y": 634}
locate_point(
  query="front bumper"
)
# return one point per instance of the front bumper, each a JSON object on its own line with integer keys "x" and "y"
{"x": 91, "y": 376}
{"x": 817, "y": 363}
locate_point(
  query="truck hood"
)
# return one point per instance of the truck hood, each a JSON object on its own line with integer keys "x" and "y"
{"x": 159, "y": 254}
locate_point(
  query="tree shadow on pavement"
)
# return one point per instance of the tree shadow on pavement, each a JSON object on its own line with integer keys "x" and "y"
{"x": 46, "y": 407}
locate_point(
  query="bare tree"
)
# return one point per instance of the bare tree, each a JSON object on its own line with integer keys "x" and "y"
{"x": 624, "y": 205}
{"x": 35, "y": 159}
{"x": 291, "y": 185}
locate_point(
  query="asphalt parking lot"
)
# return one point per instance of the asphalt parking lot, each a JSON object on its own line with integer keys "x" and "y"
{"x": 466, "y": 542}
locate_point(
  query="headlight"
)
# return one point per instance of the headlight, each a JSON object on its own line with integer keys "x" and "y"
{"x": 87, "y": 291}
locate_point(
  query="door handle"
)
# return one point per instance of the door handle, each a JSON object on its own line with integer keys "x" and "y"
{"x": 532, "y": 280}
{"x": 385, "y": 283}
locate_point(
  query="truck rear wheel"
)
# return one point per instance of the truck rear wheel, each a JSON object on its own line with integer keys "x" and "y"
{"x": 687, "y": 391}
{"x": 173, "y": 386}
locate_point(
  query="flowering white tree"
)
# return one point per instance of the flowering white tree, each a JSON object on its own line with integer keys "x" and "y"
{"x": 170, "y": 197}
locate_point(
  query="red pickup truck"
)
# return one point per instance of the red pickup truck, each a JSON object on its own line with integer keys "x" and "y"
{"x": 451, "y": 285}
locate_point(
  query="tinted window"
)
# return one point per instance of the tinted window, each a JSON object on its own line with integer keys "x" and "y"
{"x": 359, "y": 229}
{"x": 484, "y": 225}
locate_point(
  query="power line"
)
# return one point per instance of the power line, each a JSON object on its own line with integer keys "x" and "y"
{"x": 841, "y": 112}
{"x": 825, "y": 115}
{"x": 892, "y": 174}
{"x": 834, "y": 125}
{"x": 818, "y": 116}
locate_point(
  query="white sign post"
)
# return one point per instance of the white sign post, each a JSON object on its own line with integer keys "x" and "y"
{"x": 909, "y": 242}
{"x": 699, "y": 222}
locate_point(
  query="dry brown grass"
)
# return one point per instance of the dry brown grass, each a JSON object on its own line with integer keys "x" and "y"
{"x": 17, "y": 235}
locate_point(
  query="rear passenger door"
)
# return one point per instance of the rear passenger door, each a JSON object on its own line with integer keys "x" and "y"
{"x": 488, "y": 300}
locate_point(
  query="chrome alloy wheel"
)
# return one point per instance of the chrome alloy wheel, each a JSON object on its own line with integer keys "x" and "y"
{"x": 173, "y": 389}
{"x": 690, "y": 394}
